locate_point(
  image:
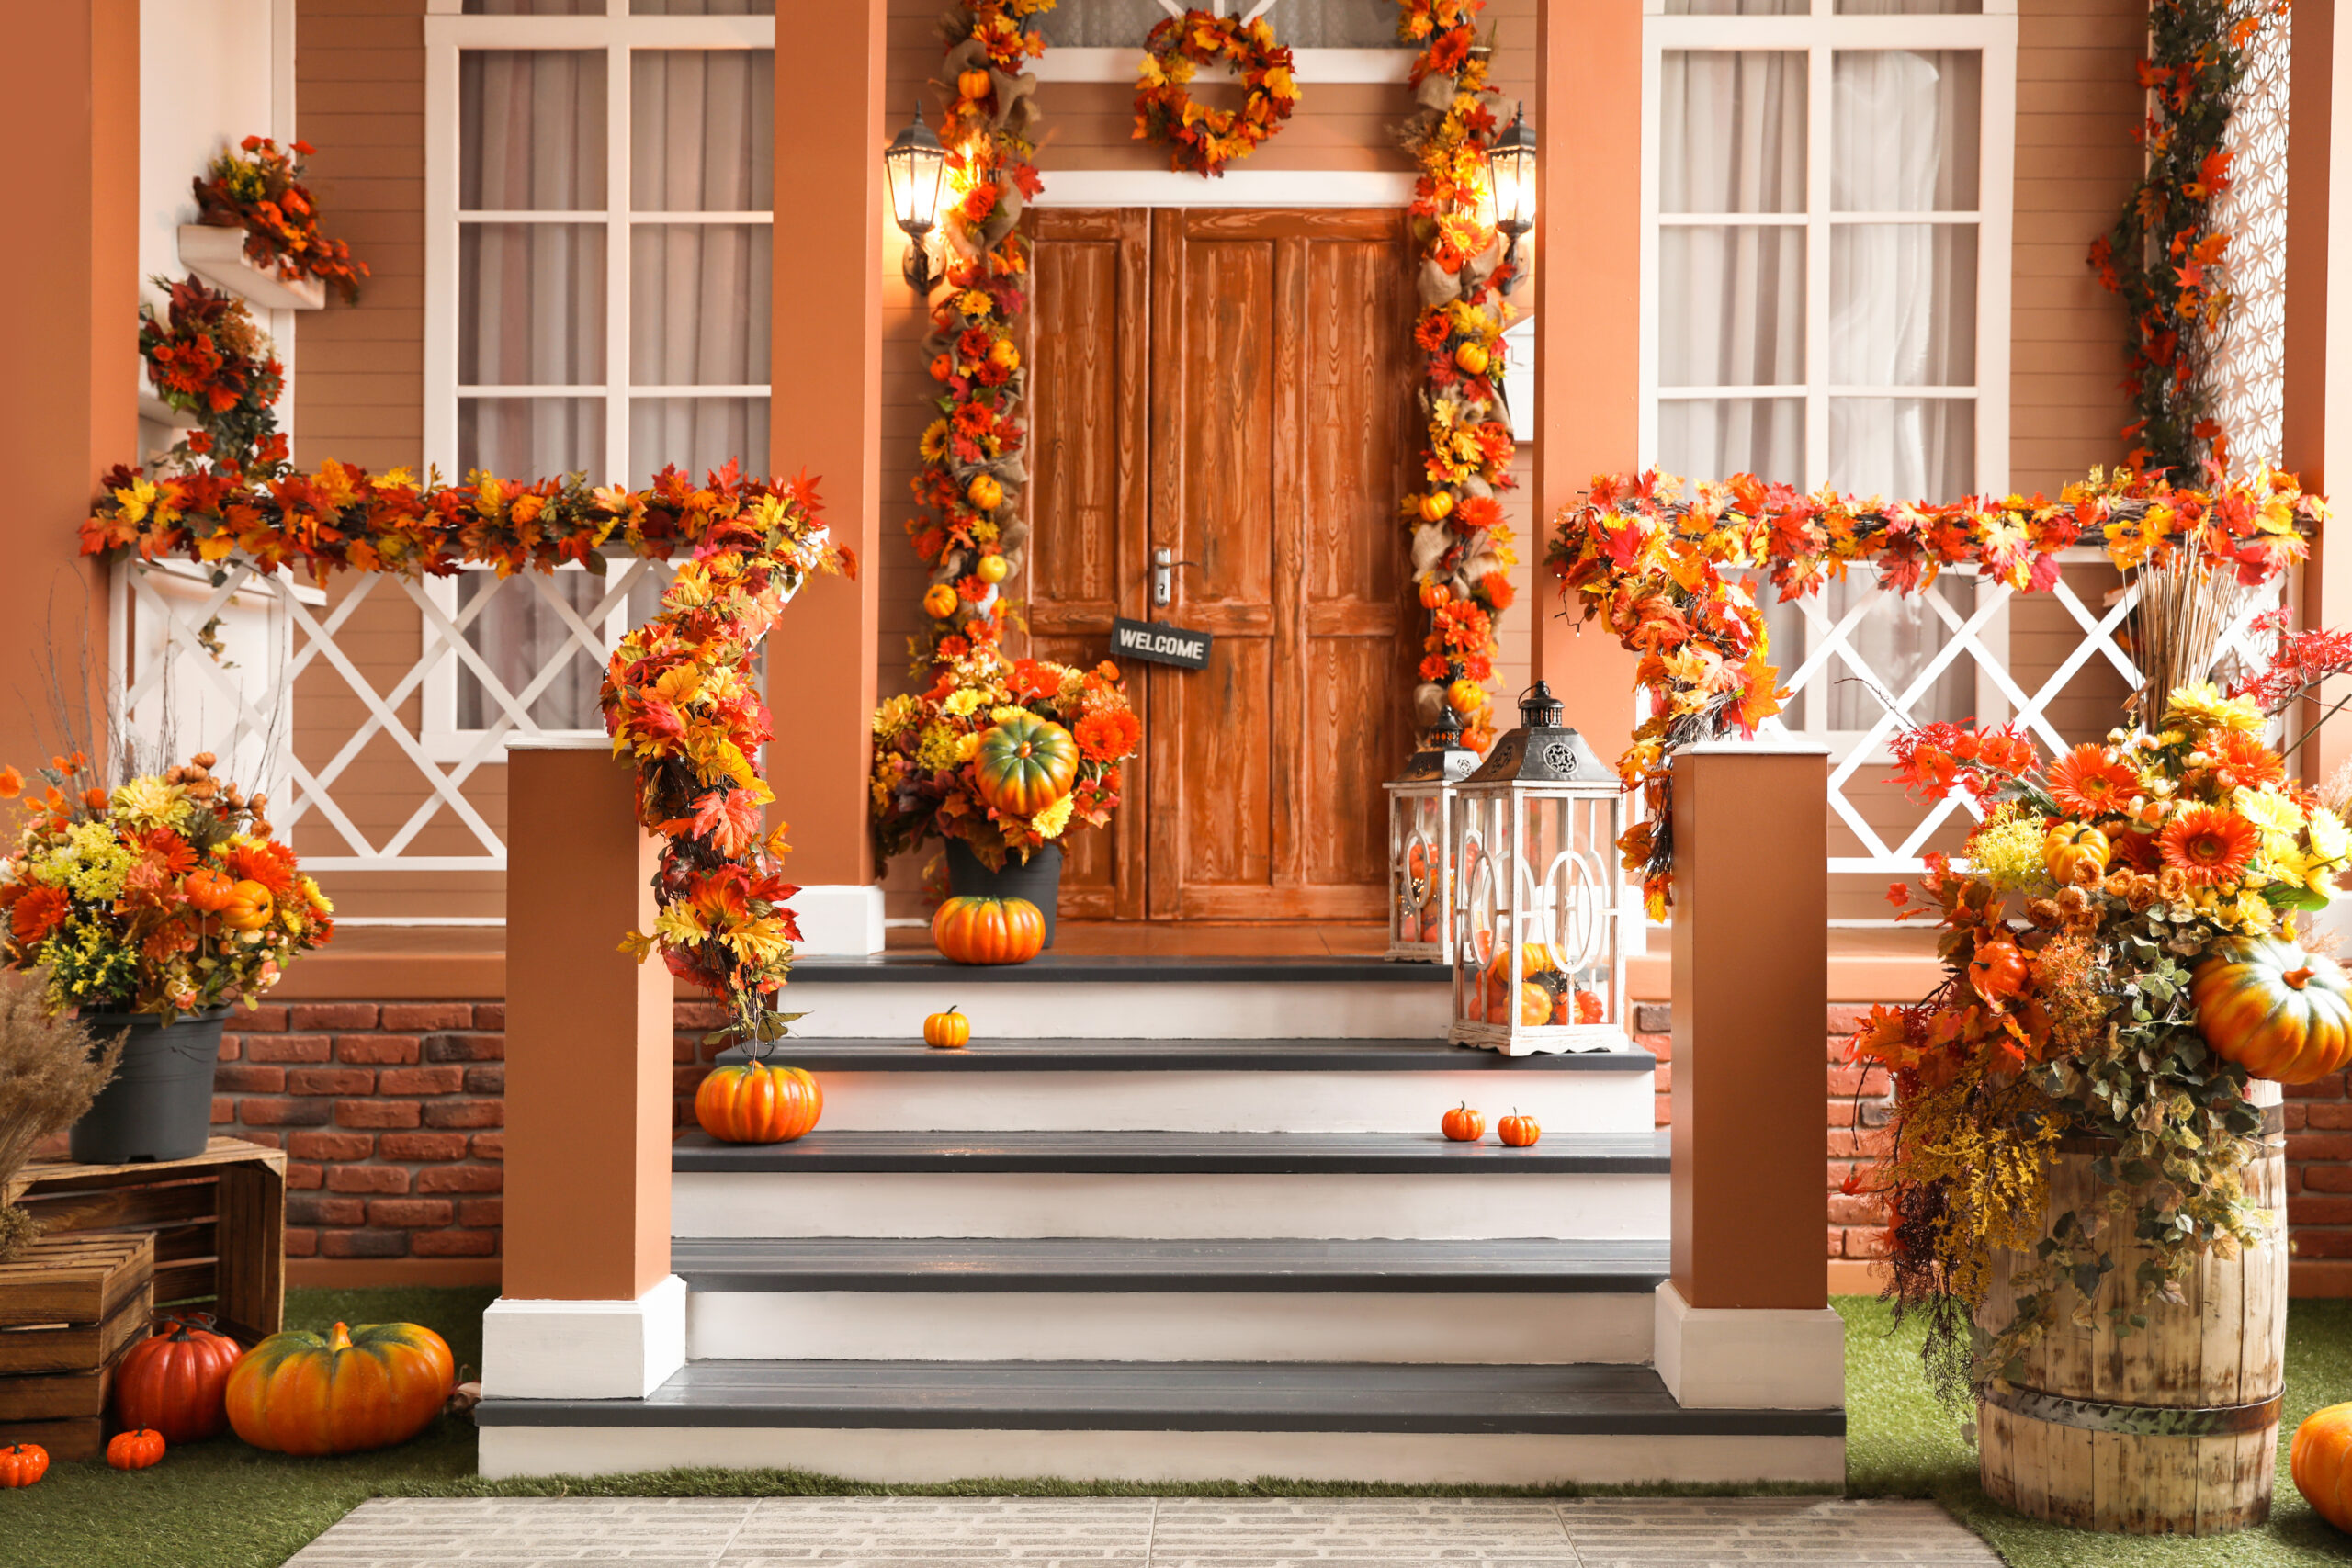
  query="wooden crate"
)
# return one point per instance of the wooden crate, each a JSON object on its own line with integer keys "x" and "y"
{"x": 217, "y": 1219}
{"x": 70, "y": 1308}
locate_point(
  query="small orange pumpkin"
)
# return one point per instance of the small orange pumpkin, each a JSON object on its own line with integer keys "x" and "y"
{"x": 1004, "y": 355}
{"x": 248, "y": 908}
{"x": 949, "y": 1031}
{"x": 1473, "y": 358}
{"x": 21, "y": 1464}
{"x": 985, "y": 492}
{"x": 758, "y": 1103}
{"x": 2321, "y": 1462}
{"x": 974, "y": 85}
{"x": 1434, "y": 593}
{"x": 2072, "y": 845}
{"x": 989, "y": 930}
{"x": 176, "y": 1381}
{"x": 1462, "y": 1125}
{"x": 139, "y": 1448}
{"x": 1437, "y": 506}
{"x": 1518, "y": 1131}
{"x": 1466, "y": 696}
{"x": 939, "y": 601}
{"x": 208, "y": 891}
{"x": 371, "y": 1387}
{"x": 1534, "y": 1005}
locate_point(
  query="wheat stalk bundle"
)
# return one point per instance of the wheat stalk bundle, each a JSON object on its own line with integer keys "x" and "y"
{"x": 2183, "y": 610}
{"x": 49, "y": 1075}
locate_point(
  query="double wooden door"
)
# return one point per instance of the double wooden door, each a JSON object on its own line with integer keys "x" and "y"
{"x": 1236, "y": 387}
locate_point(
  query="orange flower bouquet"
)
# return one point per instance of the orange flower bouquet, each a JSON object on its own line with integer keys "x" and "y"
{"x": 259, "y": 189}
{"x": 162, "y": 896}
{"x": 1002, "y": 753}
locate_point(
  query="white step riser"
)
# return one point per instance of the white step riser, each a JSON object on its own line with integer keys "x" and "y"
{"x": 1206, "y": 1009}
{"x": 916, "y": 1457}
{"x": 1166, "y": 1207}
{"x": 1231, "y": 1103}
{"x": 1503, "y": 1328}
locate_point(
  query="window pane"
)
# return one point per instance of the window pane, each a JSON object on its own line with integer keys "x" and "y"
{"x": 699, "y": 304}
{"x": 1903, "y": 449}
{"x": 1736, "y": 7}
{"x": 531, "y": 438}
{"x": 519, "y": 634}
{"x": 1890, "y": 646}
{"x": 702, "y": 8}
{"x": 1713, "y": 438}
{"x": 1913, "y": 7}
{"x": 534, "y": 7}
{"x": 702, "y": 137}
{"x": 1905, "y": 127}
{"x": 1732, "y": 312}
{"x": 530, "y": 304}
{"x": 696, "y": 434}
{"x": 1303, "y": 24}
{"x": 1731, "y": 132}
{"x": 1903, "y": 304}
{"x": 531, "y": 129}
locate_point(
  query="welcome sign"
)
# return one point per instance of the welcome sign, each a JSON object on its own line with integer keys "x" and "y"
{"x": 1157, "y": 642}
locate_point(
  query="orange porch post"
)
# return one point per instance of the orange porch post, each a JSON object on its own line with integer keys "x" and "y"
{"x": 589, "y": 1308}
{"x": 2317, "y": 432}
{"x": 1744, "y": 1319}
{"x": 826, "y": 418}
{"x": 69, "y": 304}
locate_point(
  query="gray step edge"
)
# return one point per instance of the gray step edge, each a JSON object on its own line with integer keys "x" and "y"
{"x": 1175, "y": 1153}
{"x": 1087, "y": 1055}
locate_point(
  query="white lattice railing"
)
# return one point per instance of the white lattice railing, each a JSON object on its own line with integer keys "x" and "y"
{"x": 1974, "y": 641}
{"x": 257, "y": 669}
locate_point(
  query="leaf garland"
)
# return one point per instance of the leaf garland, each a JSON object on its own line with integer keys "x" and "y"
{"x": 2167, "y": 257}
{"x": 1662, "y": 564}
{"x": 1461, "y": 552}
{"x": 680, "y": 696}
{"x": 972, "y": 471}
{"x": 1201, "y": 140}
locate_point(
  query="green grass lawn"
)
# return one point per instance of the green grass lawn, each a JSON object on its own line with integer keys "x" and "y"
{"x": 221, "y": 1505}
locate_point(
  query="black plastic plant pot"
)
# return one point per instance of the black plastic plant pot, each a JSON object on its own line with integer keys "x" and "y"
{"x": 159, "y": 1104}
{"x": 1039, "y": 879}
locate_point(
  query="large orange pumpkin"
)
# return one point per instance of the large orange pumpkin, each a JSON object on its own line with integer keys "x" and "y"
{"x": 177, "y": 1382}
{"x": 989, "y": 930}
{"x": 758, "y": 1103}
{"x": 2321, "y": 1462}
{"x": 2279, "y": 1011}
{"x": 1025, "y": 765}
{"x": 367, "y": 1388}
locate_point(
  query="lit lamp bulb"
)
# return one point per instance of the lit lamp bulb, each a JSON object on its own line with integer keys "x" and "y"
{"x": 914, "y": 162}
{"x": 1511, "y": 160}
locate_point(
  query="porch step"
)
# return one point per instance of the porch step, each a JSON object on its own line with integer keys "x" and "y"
{"x": 906, "y": 1422}
{"x": 1171, "y": 1186}
{"x": 1266, "y": 1300}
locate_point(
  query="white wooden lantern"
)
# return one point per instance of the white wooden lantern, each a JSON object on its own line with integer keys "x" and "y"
{"x": 1539, "y": 961}
{"x": 1420, "y": 846}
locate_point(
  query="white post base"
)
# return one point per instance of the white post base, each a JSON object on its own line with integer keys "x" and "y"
{"x": 838, "y": 920}
{"x": 545, "y": 1350}
{"x": 1749, "y": 1358}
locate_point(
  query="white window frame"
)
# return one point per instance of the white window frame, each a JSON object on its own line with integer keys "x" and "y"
{"x": 1820, "y": 35}
{"x": 447, "y": 33}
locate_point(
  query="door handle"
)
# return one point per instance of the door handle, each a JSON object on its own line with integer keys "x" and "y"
{"x": 1163, "y": 575}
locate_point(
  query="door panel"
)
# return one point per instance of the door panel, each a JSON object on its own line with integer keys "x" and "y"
{"x": 1086, "y": 499}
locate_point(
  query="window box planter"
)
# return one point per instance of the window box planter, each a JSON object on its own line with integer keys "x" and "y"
{"x": 218, "y": 256}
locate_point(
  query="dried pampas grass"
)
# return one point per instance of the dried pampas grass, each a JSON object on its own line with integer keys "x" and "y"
{"x": 49, "y": 1074}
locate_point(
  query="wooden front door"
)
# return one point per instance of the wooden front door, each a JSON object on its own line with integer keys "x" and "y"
{"x": 1235, "y": 386}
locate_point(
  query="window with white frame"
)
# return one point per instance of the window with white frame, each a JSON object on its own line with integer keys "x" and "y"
{"x": 599, "y": 203}
{"x": 1827, "y": 197}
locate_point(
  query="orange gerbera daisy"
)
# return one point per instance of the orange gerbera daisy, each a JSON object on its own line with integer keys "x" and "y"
{"x": 2092, "y": 780}
{"x": 2242, "y": 759}
{"x": 2209, "y": 846}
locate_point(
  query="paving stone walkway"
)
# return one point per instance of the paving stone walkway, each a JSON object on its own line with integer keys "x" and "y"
{"x": 1145, "y": 1532}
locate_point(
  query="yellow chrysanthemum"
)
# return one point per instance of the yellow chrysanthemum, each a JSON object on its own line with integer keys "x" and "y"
{"x": 150, "y": 803}
{"x": 2331, "y": 839}
{"x": 1050, "y": 822}
{"x": 937, "y": 751}
{"x": 961, "y": 704}
{"x": 2201, "y": 705}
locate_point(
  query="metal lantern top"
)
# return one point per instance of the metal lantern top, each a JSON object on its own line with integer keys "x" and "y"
{"x": 1543, "y": 751}
{"x": 1443, "y": 761}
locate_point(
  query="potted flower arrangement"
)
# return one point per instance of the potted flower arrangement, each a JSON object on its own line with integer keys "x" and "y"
{"x": 209, "y": 361}
{"x": 997, "y": 758}
{"x": 259, "y": 187}
{"x": 2079, "y": 1144}
{"x": 149, "y": 909}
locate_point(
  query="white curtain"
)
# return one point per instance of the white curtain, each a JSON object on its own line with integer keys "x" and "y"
{"x": 1302, "y": 24}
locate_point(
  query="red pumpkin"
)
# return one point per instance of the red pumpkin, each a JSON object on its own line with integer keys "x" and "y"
{"x": 989, "y": 930}
{"x": 1518, "y": 1131}
{"x": 139, "y": 1448}
{"x": 176, "y": 1381}
{"x": 21, "y": 1464}
{"x": 758, "y": 1103}
{"x": 1025, "y": 765}
{"x": 1463, "y": 1124}
{"x": 299, "y": 1393}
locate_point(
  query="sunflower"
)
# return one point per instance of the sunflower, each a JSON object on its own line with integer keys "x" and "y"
{"x": 2093, "y": 781}
{"x": 2209, "y": 846}
{"x": 934, "y": 441}
{"x": 2201, "y": 705}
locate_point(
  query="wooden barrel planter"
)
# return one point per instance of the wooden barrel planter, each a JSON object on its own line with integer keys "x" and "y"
{"x": 2173, "y": 1430}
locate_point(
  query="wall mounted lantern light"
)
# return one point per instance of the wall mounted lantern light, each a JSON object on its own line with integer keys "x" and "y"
{"x": 916, "y": 164}
{"x": 1512, "y": 161}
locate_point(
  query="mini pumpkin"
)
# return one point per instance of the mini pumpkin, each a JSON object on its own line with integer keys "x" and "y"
{"x": 176, "y": 1381}
{"x": 974, "y": 85}
{"x": 2321, "y": 1462}
{"x": 2072, "y": 845}
{"x": 1518, "y": 1131}
{"x": 989, "y": 930}
{"x": 142, "y": 1448}
{"x": 1025, "y": 765}
{"x": 1004, "y": 355}
{"x": 1462, "y": 1125}
{"x": 368, "y": 1387}
{"x": 985, "y": 492}
{"x": 21, "y": 1464}
{"x": 758, "y": 1103}
{"x": 949, "y": 1031}
{"x": 1434, "y": 593}
{"x": 2280, "y": 1012}
{"x": 939, "y": 601}
{"x": 1437, "y": 506}
{"x": 208, "y": 890}
{"x": 1466, "y": 696}
{"x": 1534, "y": 1004}
{"x": 1473, "y": 358}
{"x": 248, "y": 908}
